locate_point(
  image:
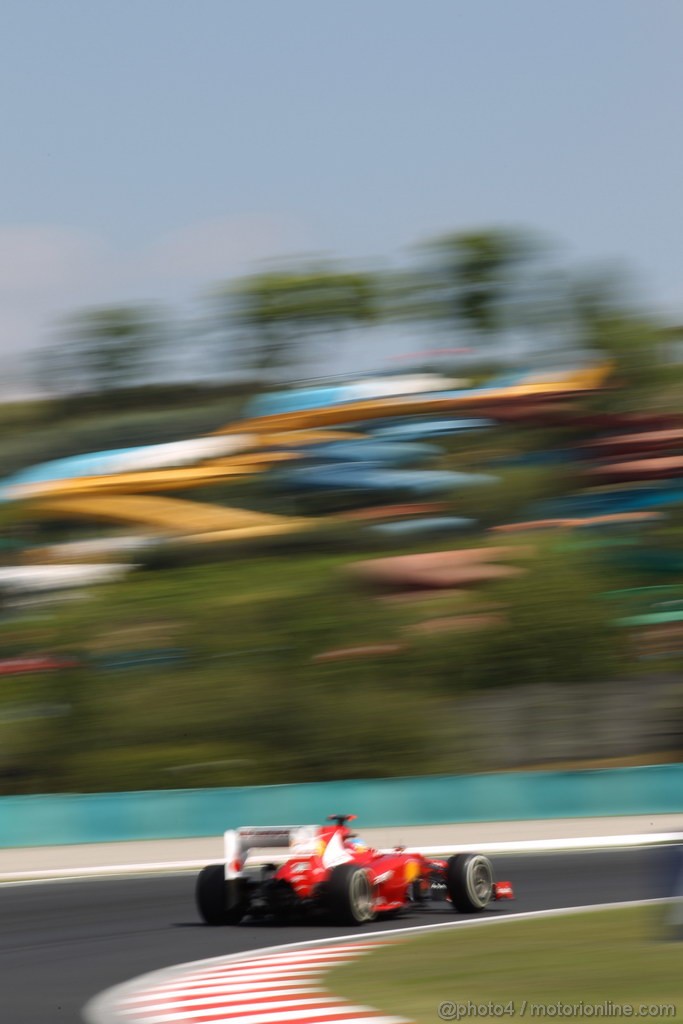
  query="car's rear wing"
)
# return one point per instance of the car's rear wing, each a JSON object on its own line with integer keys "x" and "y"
{"x": 275, "y": 843}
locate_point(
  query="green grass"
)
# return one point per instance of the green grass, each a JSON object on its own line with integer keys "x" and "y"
{"x": 621, "y": 956}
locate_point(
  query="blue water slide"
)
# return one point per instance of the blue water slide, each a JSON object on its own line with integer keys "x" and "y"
{"x": 369, "y": 476}
{"x": 367, "y": 450}
{"x": 628, "y": 499}
{"x": 510, "y": 379}
{"x": 302, "y": 399}
{"x": 295, "y": 401}
{"x": 415, "y": 429}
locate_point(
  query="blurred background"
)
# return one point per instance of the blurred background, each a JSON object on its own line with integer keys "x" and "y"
{"x": 341, "y": 423}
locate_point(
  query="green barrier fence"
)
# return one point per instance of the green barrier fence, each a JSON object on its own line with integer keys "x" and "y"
{"x": 55, "y": 819}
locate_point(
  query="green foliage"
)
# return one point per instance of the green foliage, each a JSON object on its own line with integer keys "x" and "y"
{"x": 477, "y": 282}
{"x": 247, "y": 698}
{"x": 479, "y": 267}
{"x": 249, "y": 704}
{"x": 637, "y": 346}
{"x": 511, "y": 498}
{"x": 103, "y": 350}
{"x": 605, "y": 319}
{"x": 275, "y": 314}
{"x": 557, "y": 629}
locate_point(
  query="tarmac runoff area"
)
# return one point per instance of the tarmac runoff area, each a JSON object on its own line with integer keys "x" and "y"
{"x": 178, "y": 854}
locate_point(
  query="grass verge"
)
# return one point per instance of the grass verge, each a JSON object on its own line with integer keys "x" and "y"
{"x": 591, "y": 964}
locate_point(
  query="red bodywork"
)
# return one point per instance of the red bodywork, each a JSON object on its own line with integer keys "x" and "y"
{"x": 399, "y": 878}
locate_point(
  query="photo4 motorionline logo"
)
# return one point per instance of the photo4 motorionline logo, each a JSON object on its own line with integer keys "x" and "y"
{"x": 451, "y": 1010}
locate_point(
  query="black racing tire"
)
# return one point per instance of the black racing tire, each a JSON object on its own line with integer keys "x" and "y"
{"x": 349, "y": 895}
{"x": 469, "y": 878}
{"x": 219, "y": 901}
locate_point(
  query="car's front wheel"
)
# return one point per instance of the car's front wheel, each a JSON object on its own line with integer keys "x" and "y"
{"x": 469, "y": 877}
{"x": 349, "y": 895}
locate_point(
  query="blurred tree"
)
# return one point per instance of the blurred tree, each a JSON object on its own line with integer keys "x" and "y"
{"x": 275, "y": 314}
{"x": 476, "y": 281}
{"x": 479, "y": 269}
{"x": 104, "y": 349}
{"x": 607, "y": 320}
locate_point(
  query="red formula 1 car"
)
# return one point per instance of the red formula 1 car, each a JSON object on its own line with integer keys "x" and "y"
{"x": 282, "y": 872}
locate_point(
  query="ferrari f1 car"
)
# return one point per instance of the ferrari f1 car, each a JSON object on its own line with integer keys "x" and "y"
{"x": 284, "y": 872}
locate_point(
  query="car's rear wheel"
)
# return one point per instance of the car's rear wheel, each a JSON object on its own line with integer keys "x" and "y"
{"x": 219, "y": 901}
{"x": 349, "y": 895}
{"x": 469, "y": 877}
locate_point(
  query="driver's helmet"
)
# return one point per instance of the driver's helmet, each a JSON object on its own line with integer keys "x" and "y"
{"x": 356, "y": 844}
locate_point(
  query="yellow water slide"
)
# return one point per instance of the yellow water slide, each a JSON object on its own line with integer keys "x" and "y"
{"x": 543, "y": 386}
{"x": 187, "y": 519}
{"x": 129, "y": 497}
{"x": 124, "y": 497}
{"x": 176, "y": 478}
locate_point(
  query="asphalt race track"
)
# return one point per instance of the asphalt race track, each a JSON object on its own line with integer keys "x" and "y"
{"x": 63, "y": 942}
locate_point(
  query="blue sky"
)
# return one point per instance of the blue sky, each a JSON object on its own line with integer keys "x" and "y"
{"x": 151, "y": 148}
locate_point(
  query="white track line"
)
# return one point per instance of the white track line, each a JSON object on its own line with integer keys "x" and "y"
{"x": 516, "y": 846}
